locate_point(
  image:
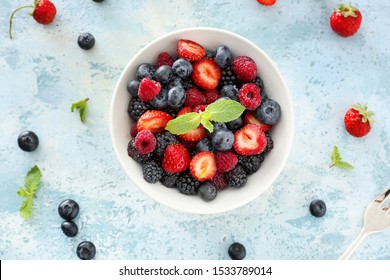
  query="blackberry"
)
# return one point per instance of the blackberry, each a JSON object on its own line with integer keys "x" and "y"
{"x": 270, "y": 142}
{"x": 169, "y": 179}
{"x": 250, "y": 163}
{"x": 152, "y": 171}
{"x": 163, "y": 140}
{"x": 134, "y": 154}
{"x": 227, "y": 77}
{"x": 237, "y": 177}
{"x": 186, "y": 184}
{"x": 137, "y": 108}
{"x": 259, "y": 82}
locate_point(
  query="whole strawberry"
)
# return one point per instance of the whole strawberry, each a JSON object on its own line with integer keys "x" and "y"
{"x": 345, "y": 20}
{"x": 358, "y": 120}
{"x": 44, "y": 12}
{"x": 266, "y": 2}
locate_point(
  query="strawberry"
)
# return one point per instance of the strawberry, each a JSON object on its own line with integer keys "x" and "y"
{"x": 195, "y": 134}
{"x": 148, "y": 89}
{"x": 200, "y": 108}
{"x": 176, "y": 158}
{"x": 206, "y": 73}
{"x": 250, "y": 117}
{"x": 44, "y": 12}
{"x": 203, "y": 166}
{"x": 345, "y": 20}
{"x": 190, "y": 50}
{"x": 249, "y": 140}
{"x": 267, "y": 2}
{"x": 153, "y": 120}
{"x": 358, "y": 120}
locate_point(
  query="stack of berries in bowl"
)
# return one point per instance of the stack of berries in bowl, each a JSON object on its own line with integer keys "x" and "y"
{"x": 202, "y": 119}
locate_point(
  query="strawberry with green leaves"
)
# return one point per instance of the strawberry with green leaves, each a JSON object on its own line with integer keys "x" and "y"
{"x": 358, "y": 120}
{"x": 44, "y": 12}
{"x": 345, "y": 20}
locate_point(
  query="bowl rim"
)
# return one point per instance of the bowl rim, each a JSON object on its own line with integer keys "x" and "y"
{"x": 288, "y": 143}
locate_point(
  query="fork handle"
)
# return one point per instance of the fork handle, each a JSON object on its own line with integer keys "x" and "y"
{"x": 362, "y": 235}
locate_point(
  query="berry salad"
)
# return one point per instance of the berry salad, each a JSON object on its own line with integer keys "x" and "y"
{"x": 202, "y": 119}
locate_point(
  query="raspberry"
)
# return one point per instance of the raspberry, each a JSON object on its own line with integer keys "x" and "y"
{"x": 148, "y": 89}
{"x": 211, "y": 96}
{"x": 133, "y": 130}
{"x": 134, "y": 154}
{"x": 244, "y": 68}
{"x": 137, "y": 108}
{"x": 226, "y": 161}
{"x": 220, "y": 181}
{"x": 194, "y": 98}
{"x": 200, "y": 108}
{"x": 236, "y": 177}
{"x": 145, "y": 142}
{"x": 164, "y": 58}
{"x": 249, "y": 95}
{"x": 152, "y": 171}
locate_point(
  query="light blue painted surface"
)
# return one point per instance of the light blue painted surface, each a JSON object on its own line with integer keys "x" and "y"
{"x": 43, "y": 71}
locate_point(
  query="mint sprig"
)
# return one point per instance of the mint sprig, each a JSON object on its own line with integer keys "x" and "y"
{"x": 31, "y": 184}
{"x": 218, "y": 111}
{"x": 82, "y": 107}
{"x": 338, "y": 161}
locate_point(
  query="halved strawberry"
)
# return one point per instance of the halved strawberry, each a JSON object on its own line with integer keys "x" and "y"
{"x": 250, "y": 117}
{"x": 190, "y": 50}
{"x": 195, "y": 134}
{"x": 153, "y": 120}
{"x": 176, "y": 158}
{"x": 206, "y": 73}
{"x": 249, "y": 140}
{"x": 203, "y": 166}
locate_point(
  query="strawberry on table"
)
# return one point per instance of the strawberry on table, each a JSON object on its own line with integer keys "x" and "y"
{"x": 190, "y": 50}
{"x": 206, "y": 74}
{"x": 249, "y": 140}
{"x": 345, "y": 20}
{"x": 203, "y": 166}
{"x": 176, "y": 158}
{"x": 267, "y": 2}
{"x": 358, "y": 120}
{"x": 153, "y": 120}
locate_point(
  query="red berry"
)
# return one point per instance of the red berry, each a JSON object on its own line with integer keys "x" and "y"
{"x": 220, "y": 180}
{"x": 267, "y": 2}
{"x": 226, "y": 161}
{"x": 164, "y": 58}
{"x": 249, "y": 95}
{"x": 200, "y": 108}
{"x": 148, "y": 89}
{"x": 176, "y": 158}
{"x": 203, "y": 166}
{"x": 250, "y": 117}
{"x": 245, "y": 68}
{"x": 345, "y": 20}
{"x": 145, "y": 142}
{"x": 358, "y": 120}
{"x": 193, "y": 98}
{"x": 211, "y": 96}
{"x": 190, "y": 50}
{"x": 249, "y": 140}
{"x": 195, "y": 134}
{"x": 153, "y": 120}
{"x": 133, "y": 130}
{"x": 206, "y": 73}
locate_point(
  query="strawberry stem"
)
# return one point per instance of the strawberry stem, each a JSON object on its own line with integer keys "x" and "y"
{"x": 12, "y": 15}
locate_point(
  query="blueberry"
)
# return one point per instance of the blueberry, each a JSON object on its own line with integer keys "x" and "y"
{"x": 145, "y": 70}
{"x": 317, "y": 208}
{"x": 132, "y": 87}
{"x": 235, "y": 124}
{"x": 176, "y": 97}
{"x": 86, "y": 41}
{"x": 204, "y": 145}
{"x": 163, "y": 74}
{"x": 182, "y": 68}
{"x": 98, "y": 1}
{"x": 208, "y": 191}
{"x": 210, "y": 54}
{"x": 223, "y": 139}
{"x": 69, "y": 228}
{"x": 223, "y": 56}
{"x": 268, "y": 112}
{"x": 230, "y": 91}
{"x": 216, "y": 126}
{"x": 237, "y": 251}
{"x": 68, "y": 209}
{"x": 28, "y": 141}
{"x": 161, "y": 100}
{"x": 86, "y": 250}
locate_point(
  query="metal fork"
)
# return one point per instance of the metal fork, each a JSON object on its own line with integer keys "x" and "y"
{"x": 376, "y": 219}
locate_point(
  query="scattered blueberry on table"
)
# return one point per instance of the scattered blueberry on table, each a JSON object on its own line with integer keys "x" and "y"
{"x": 86, "y": 250}
{"x": 86, "y": 41}
{"x": 237, "y": 251}
{"x": 28, "y": 141}
{"x": 317, "y": 208}
{"x": 68, "y": 209}
{"x": 69, "y": 228}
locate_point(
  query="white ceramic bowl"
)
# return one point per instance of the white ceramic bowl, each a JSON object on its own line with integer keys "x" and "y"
{"x": 282, "y": 133}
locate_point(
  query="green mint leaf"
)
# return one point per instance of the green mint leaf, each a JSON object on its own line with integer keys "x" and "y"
{"x": 207, "y": 124}
{"x": 82, "y": 107}
{"x": 23, "y": 192}
{"x": 33, "y": 177}
{"x": 335, "y": 155}
{"x": 343, "y": 164}
{"x": 26, "y": 208}
{"x": 184, "y": 123}
{"x": 337, "y": 160}
{"x": 225, "y": 110}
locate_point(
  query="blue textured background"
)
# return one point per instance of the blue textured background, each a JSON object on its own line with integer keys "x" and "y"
{"x": 43, "y": 71}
